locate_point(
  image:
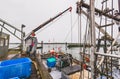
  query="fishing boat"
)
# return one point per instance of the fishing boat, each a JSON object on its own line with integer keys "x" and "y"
{"x": 99, "y": 56}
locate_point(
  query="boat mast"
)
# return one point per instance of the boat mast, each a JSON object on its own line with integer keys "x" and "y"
{"x": 93, "y": 38}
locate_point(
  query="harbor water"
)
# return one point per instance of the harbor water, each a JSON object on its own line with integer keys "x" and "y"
{"x": 57, "y": 47}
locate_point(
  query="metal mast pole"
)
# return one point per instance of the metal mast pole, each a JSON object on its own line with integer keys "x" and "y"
{"x": 22, "y": 39}
{"x": 119, "y": 5}
{"x": 93, "y": 37}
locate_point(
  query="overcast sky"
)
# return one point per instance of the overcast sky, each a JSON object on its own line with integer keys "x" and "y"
{"x": 32, "y": 13}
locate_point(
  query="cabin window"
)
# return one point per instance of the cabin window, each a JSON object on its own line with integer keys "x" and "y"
{"x": 1, "y": 42}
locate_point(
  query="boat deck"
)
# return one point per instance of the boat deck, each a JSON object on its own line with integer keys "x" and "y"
{"x": 54, "y": 74}
{"x": 75, "y": 72}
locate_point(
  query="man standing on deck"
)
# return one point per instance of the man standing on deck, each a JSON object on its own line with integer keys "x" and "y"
{"x": 31, "y": 45}
{"x": 52, "y": 52}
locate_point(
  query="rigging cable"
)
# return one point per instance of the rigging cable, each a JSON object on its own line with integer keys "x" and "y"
{"x": 99, "y": 38}
{"x": 100, "y": 22}
{"x": 79, "y": 34}
{"x": 80, "y": 57}
{"x": 85, "y": 41}
{"x": 99, "y": 34}
{"x": 51, "y": 23}
{"x": 70, "y": 30}
{"x": 112, "y": 36}
{"x": 78, "y": 10}
{"x": 71, "y": 26}
{"x": 84, "y": 47}
{"x": 106, "y": 40}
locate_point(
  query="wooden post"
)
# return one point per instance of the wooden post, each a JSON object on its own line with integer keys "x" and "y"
{"x": 22, "y": 39}
{"x": 66, "y": 47}
{"x": 41, "y": 46}
{"x": 93, "y": 38}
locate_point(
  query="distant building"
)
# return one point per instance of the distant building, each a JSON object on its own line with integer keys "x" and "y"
{"x": 4, "y": 44}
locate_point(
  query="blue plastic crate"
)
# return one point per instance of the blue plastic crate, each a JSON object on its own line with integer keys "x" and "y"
{"x": 51, "y": 62}
{"x": 20, "y": 67}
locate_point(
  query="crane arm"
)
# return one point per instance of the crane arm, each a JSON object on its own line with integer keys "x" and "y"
{"x": 46, "y": 22}
{"x": 51, "y": 19}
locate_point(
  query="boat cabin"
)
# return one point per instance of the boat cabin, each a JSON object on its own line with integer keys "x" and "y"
{"x": 4, "y": 44}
